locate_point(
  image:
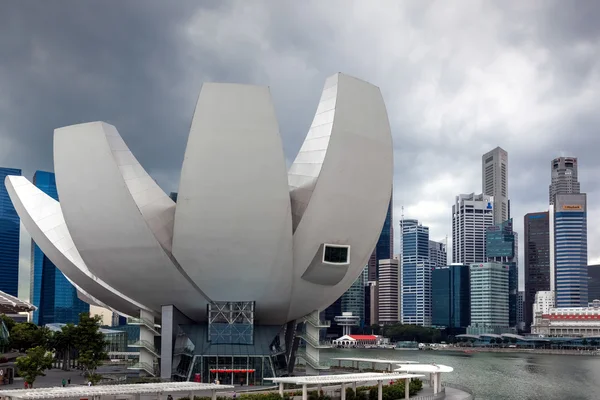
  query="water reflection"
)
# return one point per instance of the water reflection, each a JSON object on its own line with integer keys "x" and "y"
{"x": 507, "y": 376}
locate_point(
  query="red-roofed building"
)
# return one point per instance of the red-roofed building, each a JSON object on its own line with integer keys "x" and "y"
{"x": 357, "y": 340}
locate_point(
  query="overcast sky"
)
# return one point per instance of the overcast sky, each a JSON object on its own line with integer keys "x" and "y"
{"x": 459, "y": 78}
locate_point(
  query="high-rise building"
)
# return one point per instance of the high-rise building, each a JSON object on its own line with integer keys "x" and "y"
{"x": 451, "y": 298}
{"x": 173, "y": 196}
{"x": 520, "y": 314}
{"x": 353, "y": 300}
{"x": 537, "y": 260}
{"x": 416, "y": 273}
{"x": 563, "y": 177}
{"x": 9, "y": 238}
{"x": 371, "y": 303}
{"x": 593, "y": 282}
{"x": 494, "y": 175}
{"x": 384, "y": 249}
{"x": 471, "y": 215}
{"x": 501, "y": 246}
{"x": 53, "y": 295}
{"x": 437, "y": 254}
{"x": 389, "y": 292}
{"x": 489, "y": 298}
{"x": 570, "y": 250}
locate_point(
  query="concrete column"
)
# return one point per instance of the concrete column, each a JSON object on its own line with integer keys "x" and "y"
{"x": 191, "y": 395}
{"x": 406, "y": 388}
{"x": 380, "y": 390}
{"x": 430, "y": 380}
{"x": 435, "y": 383}
{"x": 439, "y": 381}
{"x": 213, "y": 394}
{"x": 343, "y": 391}
{"x": 304, "y": 392}
{"x": 281, "y": 389}
{"x": 354, "y": 386}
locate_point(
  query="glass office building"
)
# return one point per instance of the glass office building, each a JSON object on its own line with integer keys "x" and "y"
{"x": 354, "y": 300}
{"x": 537, "y": 260}
{"x": 489, "y": 298}
{"x": 451, "y": 298}
{"x": 384, "y": 249}
{"x": 501, "y": 246}
{"x": 53, "y": 295}
{"x": 9, "y": 239}
{"x": 416, "y": 273}
{"x": 570, "y": 251}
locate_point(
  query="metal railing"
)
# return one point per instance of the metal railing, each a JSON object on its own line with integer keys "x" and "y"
{"x": 143, "y": 321}
{"x": 310, "y": 360}
{"x": 316, "y": 322}
{"x": 313, "y": 341}
{"x": 146, "y": 345}
{"x": 183, "y": 350}
{"x": 145, "y": 367}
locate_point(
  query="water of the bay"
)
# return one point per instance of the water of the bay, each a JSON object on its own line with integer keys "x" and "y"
{"x": 505, "y": 376}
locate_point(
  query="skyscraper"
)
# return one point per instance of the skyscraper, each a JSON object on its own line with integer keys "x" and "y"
{"x": 450, "y": 298}
{"x": 353, "y": 300}
{"x": 416, "y": 273}
{"x": 384, "y": 249}
{"x": 501, "y": 246}
{"x": 471, "y": 215}
{"x": 593, "y": 282}
{"x": 563, "y": 177}
{"x": 437, "y": 254}
{"x": 570, "y": 250}
{"x": 389, "y": 291}
{"x": 537, "y": 260}
{"x": 494, "y": 175}
{"x": 489, "y": 298}
{"x": 53, "y": 295}
{"x": 9, "y": 238}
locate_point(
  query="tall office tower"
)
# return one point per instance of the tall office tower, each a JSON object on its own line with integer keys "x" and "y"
{"x": 564, "y": 177}
{"x": 437, "y": 254}
{"x": 489, "y": 298}
{"x": 389, "y": 292}
{"x": 570, "y": 250}
{"x": 53, "y": 295}
{"x": 371, "y": 303}
{"x": 416, "y": 273}
{"x": 520, "y": 315}
{"x": 353, "y": 300}
{"x": 173, "y": 196}
{"x": 501, "y": 246}
{"x": 451, "y": 298}
{"x": 384, "y": 249}
{"x": 471, "y": 215}
{"x": 537, "y": 260}
{"x": 9, "y": 238}
{"x": 494, "y": 175}
{"x": 593, "y": 282}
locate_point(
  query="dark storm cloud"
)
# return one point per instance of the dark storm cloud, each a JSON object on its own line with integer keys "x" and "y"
{"x": 458, "y": 80}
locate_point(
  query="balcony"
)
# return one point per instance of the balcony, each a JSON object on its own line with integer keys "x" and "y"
{"x": 316, "y": 364}
{"x": 142, "y": 321}
{"x": 142, "y": 366}
{"x": 144, "y": 344}
{"x": 313, "y": 341}
{"x": 315, "y": 321}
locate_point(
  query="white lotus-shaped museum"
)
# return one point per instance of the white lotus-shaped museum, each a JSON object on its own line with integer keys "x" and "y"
{"x": 242, "y": 228}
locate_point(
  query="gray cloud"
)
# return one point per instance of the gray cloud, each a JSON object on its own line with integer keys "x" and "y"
{"x": 458, "y": 81}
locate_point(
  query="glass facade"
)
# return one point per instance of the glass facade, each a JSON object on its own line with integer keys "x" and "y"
{"x": 593, "y": 282}
{"x": 571, "y": 259}
{"x": 9, "y": 238}
{"x": 416, "y": 273}
{"x": 537, "y": 260}
{"x": 501, "y": 246}
{"x": 450, "y": 294}
{"x": 53, "y": 295}
{"x": 489, "y": 297}
{"x": 231, "y": 323}
{"x": 384, "y": 249}
{"x": 354, "y": 300}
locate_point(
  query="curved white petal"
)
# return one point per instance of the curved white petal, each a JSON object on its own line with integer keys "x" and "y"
{"x": 43, "y": 218}
{"x": 340, "y": 186}
{"x": 110, "y": 230}
{"x": 233, "y": 227}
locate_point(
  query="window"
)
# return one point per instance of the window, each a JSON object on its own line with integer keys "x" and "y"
{"x": 336, "y": 254}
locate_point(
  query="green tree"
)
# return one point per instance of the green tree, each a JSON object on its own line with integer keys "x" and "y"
{"x": 26, "y": 335}
{"x": 63, "y": 343}
{"x": 37, "y": 360}
{"x": 91, "y": 344}
{"x": 376, "y": 329}
{"x": 8, "y": 322}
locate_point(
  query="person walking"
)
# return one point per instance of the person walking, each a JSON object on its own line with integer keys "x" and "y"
{"x": 64, "y": 382}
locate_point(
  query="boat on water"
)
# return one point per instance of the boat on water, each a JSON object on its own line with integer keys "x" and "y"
{"x": 407, "y": 345}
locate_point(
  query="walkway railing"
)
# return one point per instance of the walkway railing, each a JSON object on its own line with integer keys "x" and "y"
{"x": 144, "y": 367}
{"x": 316, "y": 322}
{"x": 143, "y": 321}
{"x": 146, "y": 345}
{"x": 316, "y": 364}
{"x": 313, "y": 341}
